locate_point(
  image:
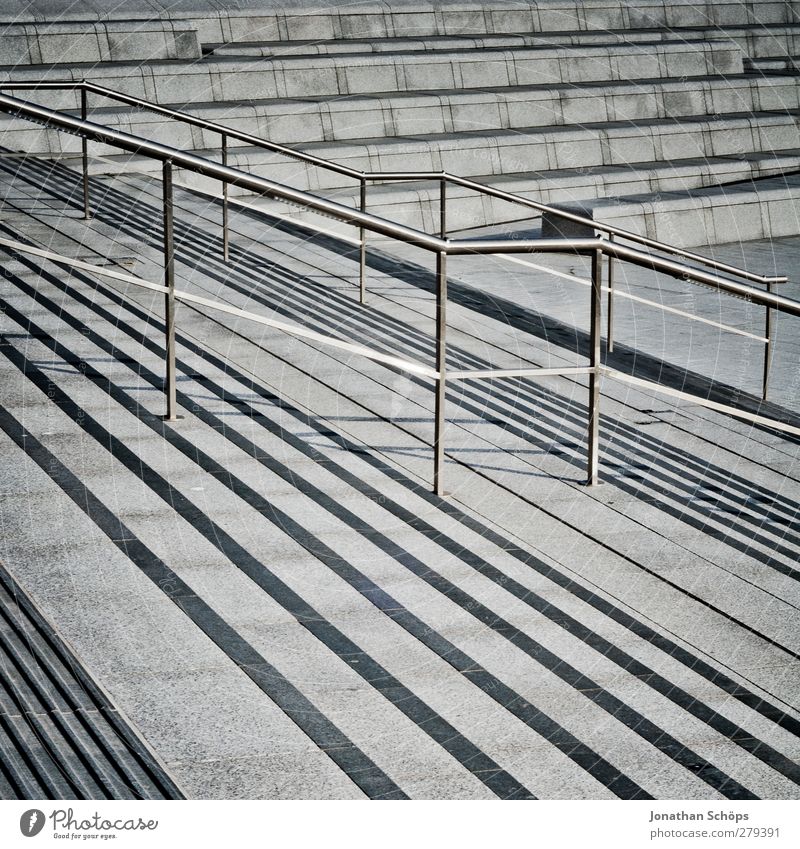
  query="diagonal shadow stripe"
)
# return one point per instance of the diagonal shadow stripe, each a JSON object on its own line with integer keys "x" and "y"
{"x": 375, "y": 675}
{"x": 88, "y": 744}
{"x": 706, "y": 516}
{"x": 557, "y": 665}
{"x": 752, "y": 700}
{"x": 680, "y": 514}
{"x": 357, "y": 766}
{"x": 640, "y": 725}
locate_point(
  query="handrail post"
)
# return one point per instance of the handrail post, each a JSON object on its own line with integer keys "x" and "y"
{"x": 362, "y": 249}
{"x": 87, "y": 213}
{"x": 225, "y": 242}
{"x": 594, "y": 375}
{"x": 441, "y": 368}
{"x": 443, "y": 208}
{"x": 767, "y": 347}
{"x": 169, "y": 297}
{"x": 610, "y": 304}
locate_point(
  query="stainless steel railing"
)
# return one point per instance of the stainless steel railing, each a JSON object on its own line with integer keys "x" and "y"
{"x": 441, "y": 246}
{"x": 444, "y": 178}
{"x": 364, "y": 178}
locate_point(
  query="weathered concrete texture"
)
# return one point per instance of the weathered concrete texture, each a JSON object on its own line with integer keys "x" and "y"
{"x": 81, "y": 43}
{"x": 337, "y": 76}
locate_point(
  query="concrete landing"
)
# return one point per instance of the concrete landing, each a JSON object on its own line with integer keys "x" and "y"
{"x": 273, "y": 597}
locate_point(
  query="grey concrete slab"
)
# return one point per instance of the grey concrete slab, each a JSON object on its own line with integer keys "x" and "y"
{"x": 78, "y": 42}
{"x": 274, "y": 776}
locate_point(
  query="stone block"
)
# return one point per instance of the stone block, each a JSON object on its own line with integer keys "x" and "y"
{"x": 784, "y": 217}
{"x": 376, "y": 78}
{"x": 487, "y": 72}
{"x": 736, "y": 222}
{"x": 412, "y": 22}
{"x": 311, "y": 27}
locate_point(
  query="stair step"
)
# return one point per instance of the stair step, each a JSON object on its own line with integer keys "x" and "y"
{"x": 416, "y": 204}
{"x": 767, "y": 40}
{"x": 239, "y": 79}
{"x": 296, "y": 121}
{"x": 79, "y": 42}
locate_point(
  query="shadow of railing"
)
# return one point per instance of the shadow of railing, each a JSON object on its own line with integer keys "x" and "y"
{"x": 674, "y": 480}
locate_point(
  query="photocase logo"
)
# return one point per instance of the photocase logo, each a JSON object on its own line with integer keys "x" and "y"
{"x": 31, "y": 822}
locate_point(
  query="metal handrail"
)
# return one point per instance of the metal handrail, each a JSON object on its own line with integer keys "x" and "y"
{"x": 441, "y": 246}
{"x": 390, "y": 176}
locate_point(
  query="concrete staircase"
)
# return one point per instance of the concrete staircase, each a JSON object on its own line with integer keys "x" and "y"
{"x": 599, "y": 103}
{"x": 266, "y": 589}
{"x": 278, "y": 604}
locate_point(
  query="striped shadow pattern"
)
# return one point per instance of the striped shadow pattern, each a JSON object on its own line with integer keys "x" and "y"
{"x": 595, "y": 710}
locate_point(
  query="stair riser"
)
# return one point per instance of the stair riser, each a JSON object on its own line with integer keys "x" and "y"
{"x": 778, "y": 41}
{"x": 418, "y": 20}
{"x": 327, "y": 76}
{"x": 510, "y": 154}
{"x": 292, "y": 123}
{"x": 419, "y": 207}
{"x": 71, "y": 43}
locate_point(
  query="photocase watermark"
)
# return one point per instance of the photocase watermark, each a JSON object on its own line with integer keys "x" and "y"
{"x": 65, "y": 825}
{"x": 31, "y": 822}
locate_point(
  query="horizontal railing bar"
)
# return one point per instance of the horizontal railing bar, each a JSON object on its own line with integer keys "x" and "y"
{"x": 187, "y": 297}
{"x": 610, "y": 229}
{"x": 637, "y": 257}
{"x": 233, "y": 201}
{"x": 261, "y": 185}
{"x": 737, "y": 331}
{"x": 83, "y": 266}
{"x": 518, "y": 372}
{"x": 703, "y": 402}
{"x": 305, "y": 333}
{"x": 638, "y": 299}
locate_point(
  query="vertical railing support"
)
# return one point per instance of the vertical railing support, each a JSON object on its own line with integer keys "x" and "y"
{"x": 225, "y": 238}
{"x": 767, "y": 348}
{"x": 87, "y": 212}
{"x": 169, "y": 297}
{"x": 594, "y": 363}
{"x": 362, "y": 250}
{"x": 443, "y": 208}
{"x": 441, "y": 368}
{"x": 610, "y": 303}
